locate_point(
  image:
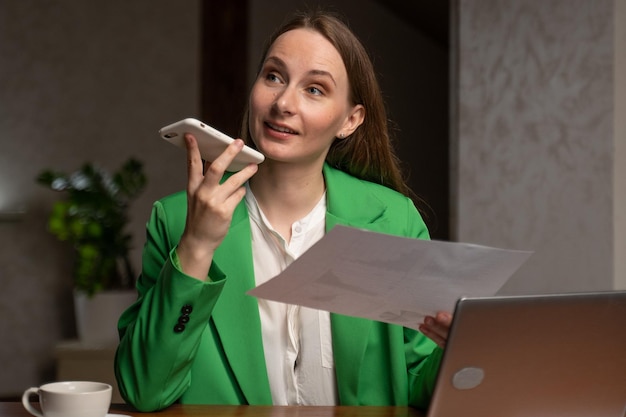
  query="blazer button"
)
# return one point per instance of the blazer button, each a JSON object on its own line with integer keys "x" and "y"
{"x": 179, "y": 328}
{"x": 187, "y": 309}
{"x": 183, "y": 319}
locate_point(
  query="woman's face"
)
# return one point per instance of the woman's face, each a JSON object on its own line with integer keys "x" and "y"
{"x": 299, "y": 101}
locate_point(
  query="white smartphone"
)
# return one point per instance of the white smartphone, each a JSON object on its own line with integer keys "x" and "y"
{"x": 211, "y": 142}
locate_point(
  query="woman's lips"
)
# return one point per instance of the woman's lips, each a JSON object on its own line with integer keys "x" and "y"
{"x": 280, "y": 130}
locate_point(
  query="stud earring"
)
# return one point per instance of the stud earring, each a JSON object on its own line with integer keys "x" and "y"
{"x": 342, "y": 135}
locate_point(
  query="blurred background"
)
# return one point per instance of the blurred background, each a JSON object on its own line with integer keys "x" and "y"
{"x": 508, "y": 116}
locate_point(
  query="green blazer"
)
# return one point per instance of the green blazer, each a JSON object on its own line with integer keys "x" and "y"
{"x": 200, "y": 342}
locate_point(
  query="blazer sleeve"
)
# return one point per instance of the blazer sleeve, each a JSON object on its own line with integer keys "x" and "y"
{"x": 160, "y": 333}
{"x": 423, "y": 359}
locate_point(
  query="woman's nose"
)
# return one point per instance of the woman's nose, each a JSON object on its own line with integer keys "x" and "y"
{"x": 285, "y": 101}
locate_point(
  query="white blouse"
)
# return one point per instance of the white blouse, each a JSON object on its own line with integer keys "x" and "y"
{"x": 297, "y": 340}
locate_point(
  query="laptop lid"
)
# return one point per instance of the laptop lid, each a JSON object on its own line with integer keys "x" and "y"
{"x": 535, "y": 356}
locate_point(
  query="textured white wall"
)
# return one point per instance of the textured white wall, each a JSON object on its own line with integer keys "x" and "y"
{"x": 535, "y": 137}
{"x": 80, "y": 80}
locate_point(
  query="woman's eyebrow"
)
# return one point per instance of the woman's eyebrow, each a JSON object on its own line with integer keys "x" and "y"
{"x": 275, "y": 60}
{"x": 280, "y": 63}
{"x": 323, "y": 74}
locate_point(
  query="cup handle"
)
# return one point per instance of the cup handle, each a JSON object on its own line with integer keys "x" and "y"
{"x": 26, "y": 401}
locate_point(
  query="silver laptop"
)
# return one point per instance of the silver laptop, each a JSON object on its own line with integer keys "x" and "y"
{"x": 535, "y": 356}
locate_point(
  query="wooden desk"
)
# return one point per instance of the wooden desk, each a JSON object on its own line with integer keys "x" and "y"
{"x": 14, "y": 409}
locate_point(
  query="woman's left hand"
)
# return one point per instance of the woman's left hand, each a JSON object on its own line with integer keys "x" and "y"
{"x": 437, "y": 328}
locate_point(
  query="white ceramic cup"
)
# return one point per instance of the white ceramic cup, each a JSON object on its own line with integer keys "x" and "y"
{"x": 70, "y": 399}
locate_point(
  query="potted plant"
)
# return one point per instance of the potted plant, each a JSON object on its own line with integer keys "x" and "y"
{"x": 93, "y": 216}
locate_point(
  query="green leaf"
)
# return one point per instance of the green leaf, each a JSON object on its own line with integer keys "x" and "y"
{"x": 92, "y": 216}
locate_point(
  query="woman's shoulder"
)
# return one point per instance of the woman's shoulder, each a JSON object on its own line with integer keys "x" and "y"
{"x": 342, "y": 179}
{"x": 362, "y": 202}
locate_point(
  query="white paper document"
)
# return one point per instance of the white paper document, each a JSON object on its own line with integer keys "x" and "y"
{"x": 388, "y": 278}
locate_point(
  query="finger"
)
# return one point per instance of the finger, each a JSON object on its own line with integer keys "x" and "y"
{"x": 194, "y": 162}
{"x": 433, "y": 335}
{"x": 443, "y": 320}
{"x": 234, "y": 199}
{"x": 234, "y": 186}
{"x": 239, "y": 178}
{"x": 440, "y": 324}
{"x": 221, "y": 163}
{"x": 437, "y": 328}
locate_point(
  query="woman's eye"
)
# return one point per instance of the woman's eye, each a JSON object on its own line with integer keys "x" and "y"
{"x": 315, "y": 91}
{"x": 273, "y": 78}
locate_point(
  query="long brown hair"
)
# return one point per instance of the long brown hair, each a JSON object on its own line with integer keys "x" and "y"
{"x": 368, "y": 152}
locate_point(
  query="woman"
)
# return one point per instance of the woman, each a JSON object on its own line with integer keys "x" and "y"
{"x": 315, "y": 111}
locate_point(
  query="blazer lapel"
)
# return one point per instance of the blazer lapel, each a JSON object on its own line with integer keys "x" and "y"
{"x": 236, "y": 314}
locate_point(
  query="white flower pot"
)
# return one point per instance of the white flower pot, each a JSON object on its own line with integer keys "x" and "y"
{"x": 97, "y": 316}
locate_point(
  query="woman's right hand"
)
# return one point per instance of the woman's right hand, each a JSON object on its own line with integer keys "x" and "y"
{"x": 210, "y": 206}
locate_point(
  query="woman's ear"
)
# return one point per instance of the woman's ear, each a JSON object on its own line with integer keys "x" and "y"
{"x": 353, "y": 121}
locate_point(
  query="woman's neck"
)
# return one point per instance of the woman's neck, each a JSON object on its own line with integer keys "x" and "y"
{"x": 286, "y": 195}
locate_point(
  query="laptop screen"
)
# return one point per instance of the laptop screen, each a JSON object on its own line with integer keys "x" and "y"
{"x": 544, "y": 355}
